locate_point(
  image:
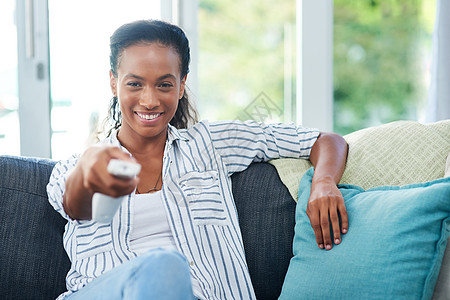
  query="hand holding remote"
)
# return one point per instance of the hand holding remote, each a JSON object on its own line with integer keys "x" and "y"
{"x": 123, "y": 169}
{"x": 104, "y": 207}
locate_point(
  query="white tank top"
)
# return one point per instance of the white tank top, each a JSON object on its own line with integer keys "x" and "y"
{"x": 151, "y": 228}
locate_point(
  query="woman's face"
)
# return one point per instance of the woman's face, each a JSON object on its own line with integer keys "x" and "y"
{"x": 148, "y": 85}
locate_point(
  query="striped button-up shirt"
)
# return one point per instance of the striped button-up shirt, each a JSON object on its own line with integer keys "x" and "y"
{"x": 198, "y": 200}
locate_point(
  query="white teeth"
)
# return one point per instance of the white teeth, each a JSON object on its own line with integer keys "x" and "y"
{"x": 147, "y": 117}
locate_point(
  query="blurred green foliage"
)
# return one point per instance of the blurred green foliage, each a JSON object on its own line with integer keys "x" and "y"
{"x": 380, "y": 61}
{"x": 379, "y": 51}
{"x": 241, "y": 54}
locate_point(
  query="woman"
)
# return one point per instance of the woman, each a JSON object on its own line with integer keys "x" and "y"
{"x": 177, "y": 235}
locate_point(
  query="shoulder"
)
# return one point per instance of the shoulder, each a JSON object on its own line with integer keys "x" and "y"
{"x": 200, "y": 129}
{"x": 207, "y": 129}
{"x": 65, "y": 165}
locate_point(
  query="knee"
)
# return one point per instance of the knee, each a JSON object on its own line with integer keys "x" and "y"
{"x": 161, "y": 274}
{"x": 164, "y": 260}
{"x": 164, "y": 267}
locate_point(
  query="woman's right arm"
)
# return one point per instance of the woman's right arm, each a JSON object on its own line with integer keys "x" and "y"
{"x": 90, "y": 176}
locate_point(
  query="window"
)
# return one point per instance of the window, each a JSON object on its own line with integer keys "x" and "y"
{"x": 245, "y": 64}
{"x": 246, "y": 60}
{"x": 382, "y": 55}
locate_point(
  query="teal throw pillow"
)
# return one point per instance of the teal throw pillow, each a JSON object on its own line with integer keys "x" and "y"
{"x": 393, "y": 249}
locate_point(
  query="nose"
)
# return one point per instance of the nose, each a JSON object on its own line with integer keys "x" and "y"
{"x": 148, "y": 98}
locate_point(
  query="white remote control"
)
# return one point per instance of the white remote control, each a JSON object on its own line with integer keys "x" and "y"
{"x": 105, "y": 207}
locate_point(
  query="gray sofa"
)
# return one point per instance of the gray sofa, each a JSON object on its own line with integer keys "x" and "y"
{"x": 33, "y": 263}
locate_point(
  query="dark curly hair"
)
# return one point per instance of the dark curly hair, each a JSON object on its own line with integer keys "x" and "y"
{"x": 152, "y": 31}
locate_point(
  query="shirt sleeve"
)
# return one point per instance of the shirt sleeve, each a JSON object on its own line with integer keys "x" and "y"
{"x": 57, "y": 184}
{"x": 241, "y": 143}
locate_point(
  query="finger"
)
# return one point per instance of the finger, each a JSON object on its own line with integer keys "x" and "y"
{"x": 117, "y": 187}
{"x": 344, "y": 217}
{"x": 93, "y": 181}
{"x": 314, "y": 218}
{"x": 334, "y": 218}
{"x": 325, "y": 225}
{"x": 102, "y": 182}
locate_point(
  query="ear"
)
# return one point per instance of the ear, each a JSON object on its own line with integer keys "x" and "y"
{"x": 113, "y": 83}
{"x": 182, "y": 86}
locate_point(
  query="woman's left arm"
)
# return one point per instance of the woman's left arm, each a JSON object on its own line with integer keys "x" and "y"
{"x": 328, "y": 156}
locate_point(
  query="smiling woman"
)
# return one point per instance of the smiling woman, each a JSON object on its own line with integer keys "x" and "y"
{"x": 185, "y": 177}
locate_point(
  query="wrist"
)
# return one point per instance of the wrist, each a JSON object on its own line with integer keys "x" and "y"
{"x": 323, "y": 179}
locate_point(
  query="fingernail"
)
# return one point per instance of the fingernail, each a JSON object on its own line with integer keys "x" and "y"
{"x": 321, "y": 246}
{"x": 328, "y": 246}
{"x": 344, "y": 230}
{"x": 337, "y": 241}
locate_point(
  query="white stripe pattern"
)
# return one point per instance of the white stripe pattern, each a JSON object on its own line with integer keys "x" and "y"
{"x": 197, "y": 196}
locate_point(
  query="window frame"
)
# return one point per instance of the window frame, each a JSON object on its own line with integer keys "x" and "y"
{"x": 315, "y": 64}
{"x": 33, "y": 78}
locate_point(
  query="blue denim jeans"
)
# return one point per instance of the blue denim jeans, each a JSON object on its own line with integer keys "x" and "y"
{"x": 158, "y": 274}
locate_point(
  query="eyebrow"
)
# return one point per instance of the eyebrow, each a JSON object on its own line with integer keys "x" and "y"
{"x": 134, "y": 76}
{"x": 168, "y": 75}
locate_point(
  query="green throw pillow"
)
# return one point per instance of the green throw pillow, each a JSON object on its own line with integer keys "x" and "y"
{"x": 393, "y": 250}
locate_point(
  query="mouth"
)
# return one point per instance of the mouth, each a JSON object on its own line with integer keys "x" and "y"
{"x": 148, "y": 116}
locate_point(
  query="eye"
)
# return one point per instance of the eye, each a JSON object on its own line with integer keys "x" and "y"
{"x": 134, "y": 84}
{"x": 165, "y": 85}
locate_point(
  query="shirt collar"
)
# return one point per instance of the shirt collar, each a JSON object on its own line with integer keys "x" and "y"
{"x": 173, "y": 134}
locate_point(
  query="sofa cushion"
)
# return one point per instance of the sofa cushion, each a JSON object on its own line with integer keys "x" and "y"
{"x": 393, "y": 249}
{"x": 33, "y": 263}
{"x": 397, "y": 153}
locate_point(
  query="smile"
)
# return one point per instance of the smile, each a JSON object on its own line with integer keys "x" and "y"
{"x": 148, "y": 116}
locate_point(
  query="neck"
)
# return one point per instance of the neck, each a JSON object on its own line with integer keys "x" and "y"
{"x": 142, "y": 148}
